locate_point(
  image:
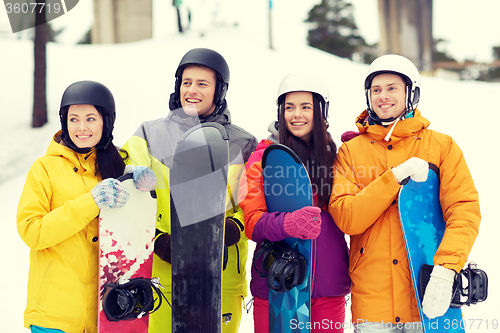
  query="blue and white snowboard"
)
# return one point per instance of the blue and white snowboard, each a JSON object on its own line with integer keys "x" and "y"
{"x": 423, "y": 229}
{"x": 287, "y": 187}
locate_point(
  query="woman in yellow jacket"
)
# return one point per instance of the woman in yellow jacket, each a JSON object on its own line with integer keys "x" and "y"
{"x": 57, "y": 215}
{"x": 394, "y": 143}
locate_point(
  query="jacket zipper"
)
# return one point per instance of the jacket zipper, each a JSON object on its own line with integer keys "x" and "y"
{"x": 237, "y": 258}
{"x": 313, "y": 264}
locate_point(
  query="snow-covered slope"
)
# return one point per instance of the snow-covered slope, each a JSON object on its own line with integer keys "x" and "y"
{"x": 141, "y": 77}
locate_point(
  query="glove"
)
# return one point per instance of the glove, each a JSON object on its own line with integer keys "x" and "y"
{"x": 163, "y": 247}
{"x": 415, "y": 168}
{"x": 144, "y": 177}
{"x": 110, "y": 193}
{"x": 439, "y": 292}
{"x": 304, "y": 223}
{"x": 232, "y": 232}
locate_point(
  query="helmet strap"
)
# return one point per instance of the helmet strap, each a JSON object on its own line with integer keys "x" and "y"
{"x": 219, "y": 97}
{"x": 393, "y": 120}
{"x": 388, "y": 136}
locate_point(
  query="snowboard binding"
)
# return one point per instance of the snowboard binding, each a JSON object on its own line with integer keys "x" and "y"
{"x": 470, "y": 286}
{"x": 282, "y": 267}
{"x": 131, "y": 299}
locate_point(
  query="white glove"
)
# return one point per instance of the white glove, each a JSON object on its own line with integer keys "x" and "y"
{"x": 144, "y": 177}
{"x": 415, "y": 168}
{"x": 439, "y": 291}
{"x": 110, "y": 193}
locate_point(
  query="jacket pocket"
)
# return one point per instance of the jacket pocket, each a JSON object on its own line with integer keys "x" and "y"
{"x": 358, "y": 249}
{"x": 46, "y": 282}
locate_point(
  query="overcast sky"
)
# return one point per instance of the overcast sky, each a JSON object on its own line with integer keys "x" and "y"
{"x": 471, "y": 28}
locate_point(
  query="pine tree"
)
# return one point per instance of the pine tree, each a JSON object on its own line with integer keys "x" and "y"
{"x": 496, "y": 52}
{"x": 441, "y": 56}
{"x": 493, "y": 73}
{"x": 335, "y": 30}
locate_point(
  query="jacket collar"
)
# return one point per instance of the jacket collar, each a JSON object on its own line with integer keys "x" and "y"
{"x": 177, "y": 115}
{"x": 56, "y": 148}
{"x": 402, "y": 129}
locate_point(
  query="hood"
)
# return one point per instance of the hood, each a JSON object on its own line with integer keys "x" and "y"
{"x": 402, "y": 129}
{"x": 256, "y": 156}
{"x": 56, "y": 148}
{"x": 274, "y": 137}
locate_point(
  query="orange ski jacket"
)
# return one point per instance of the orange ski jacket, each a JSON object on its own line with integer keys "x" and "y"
{"x": 364, "y": 204}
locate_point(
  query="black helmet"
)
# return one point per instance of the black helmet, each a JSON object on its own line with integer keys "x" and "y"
{"x": 208, "y": 58}
{"x": 91, "y": 93}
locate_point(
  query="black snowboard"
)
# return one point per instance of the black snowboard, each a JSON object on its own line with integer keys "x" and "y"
{"x": 198, "y": 182}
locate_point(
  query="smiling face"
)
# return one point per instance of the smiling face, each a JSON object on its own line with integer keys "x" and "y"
{"x": 298, "y": 114}
{"x": 197, "y": 90}
{"x": 85, "y": 125}
{"x": 388, "y": 95}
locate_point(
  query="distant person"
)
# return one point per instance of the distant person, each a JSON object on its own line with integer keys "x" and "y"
{"x": 57, "y": 215}
{"x": 395, "y": 144}
{"x": 302, "y": 126}
{"x": 201, "y": 84}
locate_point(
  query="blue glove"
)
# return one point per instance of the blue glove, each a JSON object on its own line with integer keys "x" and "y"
{"x": 110, "y": 193}
{"x": 144, "y": 177}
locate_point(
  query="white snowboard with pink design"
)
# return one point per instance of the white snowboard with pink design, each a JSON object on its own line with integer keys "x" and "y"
{"x": 126, "y": 242}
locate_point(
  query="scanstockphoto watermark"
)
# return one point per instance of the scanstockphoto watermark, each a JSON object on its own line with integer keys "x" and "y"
{"x": 26, "y": 14}
{"x": 442, "y": 325}
{"x": 327, "y": 324}
{"x": 324, "y": 324}
{"x": 293, "y": 186}
{"x": 411, "y": 326}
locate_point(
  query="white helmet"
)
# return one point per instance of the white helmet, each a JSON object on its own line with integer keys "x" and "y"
{"x": 399, "y": 65}
{"x": 304, "y": 82}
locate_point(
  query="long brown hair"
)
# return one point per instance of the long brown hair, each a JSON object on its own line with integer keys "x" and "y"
{"x": 318, "y": 155}
{"x": 110, "y": 161}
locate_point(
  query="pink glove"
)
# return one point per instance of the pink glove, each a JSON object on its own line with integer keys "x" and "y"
{"x": 304, "y": 223}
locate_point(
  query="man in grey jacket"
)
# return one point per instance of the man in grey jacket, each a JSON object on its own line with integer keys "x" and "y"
{"x": 201, "y": 83}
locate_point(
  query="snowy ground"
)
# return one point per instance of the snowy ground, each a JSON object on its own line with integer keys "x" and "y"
{"x": 140, "y": 75}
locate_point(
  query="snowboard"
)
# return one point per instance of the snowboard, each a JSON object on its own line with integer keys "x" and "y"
{"x": 198, "y": 185}
{"x": 423, "y": 229}
{"x": 287, "y": 187}
{"x": 126, "y": 238}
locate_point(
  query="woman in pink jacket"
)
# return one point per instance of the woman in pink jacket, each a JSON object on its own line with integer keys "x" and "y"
{"x": 302, "y": 126}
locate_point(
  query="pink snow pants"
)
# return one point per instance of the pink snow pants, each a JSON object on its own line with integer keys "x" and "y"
{"x": 327, "y": 315}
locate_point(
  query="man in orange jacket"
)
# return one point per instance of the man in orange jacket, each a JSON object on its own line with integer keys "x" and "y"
{"x": 394, "y": 143}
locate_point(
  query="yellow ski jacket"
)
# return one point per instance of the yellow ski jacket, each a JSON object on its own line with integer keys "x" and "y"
{"x": 58, "y": 219}
{"x": 153, "y": 145}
